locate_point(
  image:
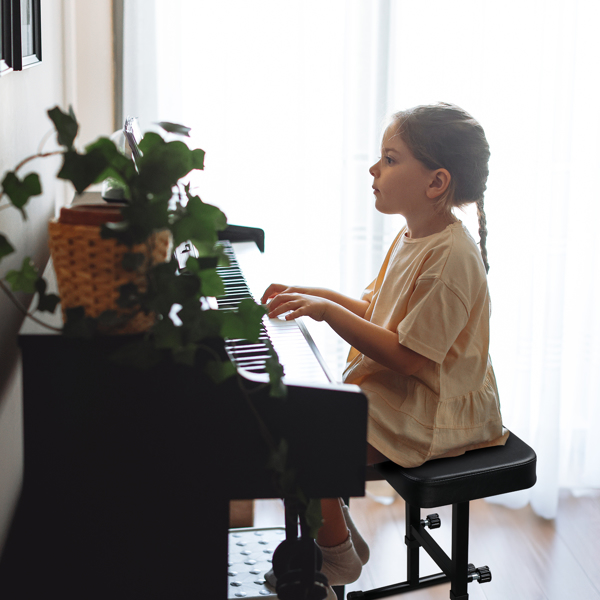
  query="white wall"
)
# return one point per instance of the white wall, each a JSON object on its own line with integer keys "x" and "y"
{"x": 89, "y": 68}
{"x": 76, "y": 69}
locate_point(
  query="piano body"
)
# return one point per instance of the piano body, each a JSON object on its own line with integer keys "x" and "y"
{"x": 128, "y": 474}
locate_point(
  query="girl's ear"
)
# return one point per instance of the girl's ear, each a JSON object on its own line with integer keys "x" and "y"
{"x": 439, "y": 182}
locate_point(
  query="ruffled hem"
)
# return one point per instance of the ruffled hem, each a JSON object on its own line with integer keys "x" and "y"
{"x": 422, "y": 427}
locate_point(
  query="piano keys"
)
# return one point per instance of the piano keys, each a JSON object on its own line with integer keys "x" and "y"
{"x": 292, "y": 341}
{"x": 128, "y": 474}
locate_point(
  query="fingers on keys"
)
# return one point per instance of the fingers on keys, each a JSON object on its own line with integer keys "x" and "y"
{"x": 272, "y": 291}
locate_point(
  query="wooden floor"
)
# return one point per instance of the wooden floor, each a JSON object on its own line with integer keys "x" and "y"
{"x": 530, "y": 558}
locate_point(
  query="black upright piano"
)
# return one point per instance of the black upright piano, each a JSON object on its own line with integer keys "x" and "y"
{"x": 128, "y": 474}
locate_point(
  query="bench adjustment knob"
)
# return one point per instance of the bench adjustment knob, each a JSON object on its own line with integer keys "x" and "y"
{"x": 432, "y": 521}
{"x": 479, "y": 574}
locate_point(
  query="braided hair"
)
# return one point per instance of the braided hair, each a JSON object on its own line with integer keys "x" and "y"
{"x": 445, "y": 136}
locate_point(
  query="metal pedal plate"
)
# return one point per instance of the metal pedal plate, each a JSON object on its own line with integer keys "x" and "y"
{"x": 250, "y": 557}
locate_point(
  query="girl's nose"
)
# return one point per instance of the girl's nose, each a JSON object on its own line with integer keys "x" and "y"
{"x": 374, "y": 169}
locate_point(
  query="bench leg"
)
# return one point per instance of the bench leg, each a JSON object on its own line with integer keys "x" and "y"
{"x": 460, "y": 551}
{"x": 413, "y": 519}
{"x": 415, "y": 537}
{"x": 339, "y": 591}
{"x": 455, "y": 569}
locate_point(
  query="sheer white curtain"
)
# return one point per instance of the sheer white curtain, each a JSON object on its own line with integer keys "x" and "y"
{"x": 523, "y": 69}
{"x": 289, "y": 100}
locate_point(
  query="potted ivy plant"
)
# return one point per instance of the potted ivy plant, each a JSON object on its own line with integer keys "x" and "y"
{"x": 150, "y": 207}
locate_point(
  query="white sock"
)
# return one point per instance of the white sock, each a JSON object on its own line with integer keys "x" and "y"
{"x": 341, "y": 564}
{"x": 361, "y": 547}
{"x": 270, "y": 578}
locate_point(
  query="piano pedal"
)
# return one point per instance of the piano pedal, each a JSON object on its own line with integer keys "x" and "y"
{"x": 250, "y": 557}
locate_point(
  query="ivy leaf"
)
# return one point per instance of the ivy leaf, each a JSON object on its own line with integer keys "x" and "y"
{"x": 46, "y": 302}
{"x": 314, "y": 517}
{"x": 246, "y": 323}
{"x": 198, "y": 159}
{"x": 200, "y": 324}
{"x": 19, "y": 191}
{"x": 153, "y": 214}
{"x": 23, "y": 280}
{"x": 211, "y": 282}
{"x": 167, "y": 288}
{"x": 275, "y": 372}
{"x": 117, "y": 165}
{"x": 78, "y": 324}
{"x": 222, "y": 258}
{"x": 219, "y": 371}
{"x": 66, "y": 125}
{"x": 132, "y": 261}
{"x": 175, "y": 128}
{"x": 129, "y": 295}
{"x": 185, "y": 355}
{"x": 151, "y": 141}
{"x": 166, "y": 335}
{"x": 213, "y": 215}
{"x": 141, "y": 219}
{"x": 278, "y": 458}
{"x": 200, "y": 224}
{"x": 163, "y": 164}
{"x": 6, "y": 247}
{"x": 83, "y": 169}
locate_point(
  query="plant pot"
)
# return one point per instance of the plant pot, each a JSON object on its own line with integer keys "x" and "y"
{"x": 89, "y": 269}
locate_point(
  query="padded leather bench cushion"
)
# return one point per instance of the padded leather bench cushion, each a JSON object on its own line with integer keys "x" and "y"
{"x": 475, "y": 474}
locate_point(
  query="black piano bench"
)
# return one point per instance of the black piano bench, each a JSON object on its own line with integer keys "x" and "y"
{"x": 456, "y": 481}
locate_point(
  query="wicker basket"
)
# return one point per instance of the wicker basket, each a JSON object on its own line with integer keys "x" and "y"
{"x": 89, "y": 272}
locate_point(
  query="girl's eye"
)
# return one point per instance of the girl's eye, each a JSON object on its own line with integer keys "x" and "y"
{"x": 388, "y": 160}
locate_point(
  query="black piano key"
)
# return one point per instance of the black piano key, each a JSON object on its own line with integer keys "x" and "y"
{"x": 247, "y": 355}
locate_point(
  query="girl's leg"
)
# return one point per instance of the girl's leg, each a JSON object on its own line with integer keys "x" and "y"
{"x": 341, "y": 563}
{"x": 334, "y": 531}
{"x": 360, "y": 546}
{"x": 344, "y": 549}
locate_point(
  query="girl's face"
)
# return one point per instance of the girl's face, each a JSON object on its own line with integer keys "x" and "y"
{"x": 400, "y": 181}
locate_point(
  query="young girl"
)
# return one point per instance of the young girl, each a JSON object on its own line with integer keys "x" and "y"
{"x": 420, "y": 332}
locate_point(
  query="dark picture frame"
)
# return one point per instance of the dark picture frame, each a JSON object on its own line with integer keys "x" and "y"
{"x": 30, "y": 43}
{"x": 6, "y": 36}
{"x": 20, "y": 34}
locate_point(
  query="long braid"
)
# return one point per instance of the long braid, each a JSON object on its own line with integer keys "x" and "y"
{"x": 445, "y": 136}
{"x": 482, "y": 233}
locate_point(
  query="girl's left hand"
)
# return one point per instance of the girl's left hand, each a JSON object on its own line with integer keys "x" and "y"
{"x": 300, "y": 305}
